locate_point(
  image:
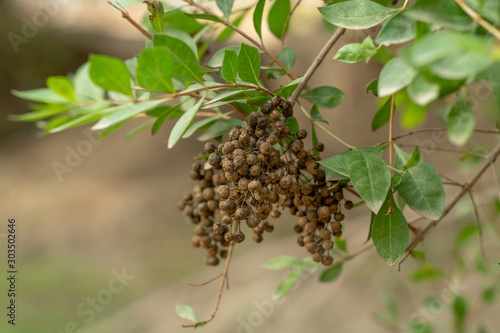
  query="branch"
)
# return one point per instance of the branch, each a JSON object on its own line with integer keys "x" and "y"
{"x": 490, "y": 158}
{"x": 437, "y": 129}
{"x": 246, "y": 36}
{"x": 287, "y": 22}
{"x": 391, "y": 142}
{"x": 126, "y": 16}
{"x": 476, "y": 17}
{"x": 221, "y": 288}
{"x": 314, "y": 66}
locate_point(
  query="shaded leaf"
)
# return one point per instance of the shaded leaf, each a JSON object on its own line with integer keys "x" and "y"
{"x": 183, "y": 123}
{"x": 331, "y": 274}
{"x": 413, "y": 160}
{"x": 154, "y": 70}
{"x": 382, "y": 116}
{"x": 287, "y": 56}
{"x": 166, "y": 113}
{"x": 397, "y": 29}
{"x": 110, "y": 74}
{"x": 390, "y": 233}
{"x": 249, "y": 64}
{"x": 395, "y": 75}
{"x": 460, "y": 123}
{"x": 226, "y": 6}
{"x": 257, "y": 17}
{"x": 423, "y": 92}
{"x": 337, "y": 163}
{"x": 289, "y": 282}
{"x": 316, "y": 115}
{"x": 84, "y": 85}
{"x": 444, "y": 13}
{"x": 356, "y": 14}
{"x": 372, "y": 87}
{"x": 278, "y": 15}
{"x": 421, "y": 187}
{"x": 230, "y": 65}
{"x": 369, "y": 175}
{"x": 354, "y": 52}
{"x": 324, "y": 96}
{"x": 287, "y": 90}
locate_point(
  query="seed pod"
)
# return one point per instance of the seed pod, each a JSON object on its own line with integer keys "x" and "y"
{"x": 214, "y": 160}
{"x": 252, "y": 221}
{"x": 219, "y": 228}
{"x": 301, "y": 134}
{"x": 286, "y": 182}
{"x": 234, "y": 134}
{"x": 223, "y": 192}
{"x": 195, "y": 241}
{"x": 239, "y": 237}
{"x": 348, "y": 205}
{"x": 327, "y": 244}
{"x": 254, "y": 186}
{"x": 319, "y": 147}
{"x": 336, "y": 227}
{"x": 255, "y": 171}
{"x": 227, "y": 219}
{"x": 324, "y": 212}
{"x": 243, "y": 184}
{"x": 205, "y": 241}
{"x": 266, "y": 149}
{"x": 276, "y": 101}
{"x": 325, "y": 234}
{"x": 287, "y": 109}
{"x": 227, "y": 165}
{"x": 326, "y": 260}
{"x": 339, "y": 217}
{"x": 339, "y": 196}
{"x": 211, "y": 261}
{"x": 227, "y": 205}
{"x": 266, "y": 108}
{"x": 239, "y": 161}
{"x": 251, "y": 120}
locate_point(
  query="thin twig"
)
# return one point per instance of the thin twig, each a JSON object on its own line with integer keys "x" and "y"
{"x": 495, "y": 177}
{"x": 246, "y": 36}
{"x": 285, "y": 26}
{"x": 221, "y": 288}
{"x": 476, "y": 17}
{"x": 449, "y": 150}
{"x": 479, "y": 228}
{"x": 391, "y": 123}
{"x": 205, "y": 283}
{"x": 324, "y": 128}
{"x": 490, "y": 158}
{"x": 126, "y": 16}
{"x": 439, "y": 129}
{"x": 405, "y": 4}
{"x": 315, "y": 64}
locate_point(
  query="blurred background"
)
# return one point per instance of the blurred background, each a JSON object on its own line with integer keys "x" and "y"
{"x": 105, "y": 250}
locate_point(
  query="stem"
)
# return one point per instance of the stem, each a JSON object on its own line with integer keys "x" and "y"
{"x": 490, "y": 159}
{"x": 325, "y": 130}
{"x": 437, "y": 129}
{"x": 221, "y": 288}
{"x": 479, "y": 228}
{"x": 405, "y": 4}
{"x": 391, "y": 121}
{"x": 126, "y": 16}
{"x": 316, "y": 63}
{"x": 285, "y": 26}
{"x": 244, "y": 35}
{"x": 449, "y": 150}
{"x": 476, "y": 17}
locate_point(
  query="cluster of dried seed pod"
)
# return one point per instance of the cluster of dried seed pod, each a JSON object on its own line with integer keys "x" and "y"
{"x": 260, "y": 170}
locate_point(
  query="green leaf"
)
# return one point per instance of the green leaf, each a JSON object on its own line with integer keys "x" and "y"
{"x": 460, "y": 123}
{"x": 183, "y": 123}
{"x": 220, "y": 127}
{"x": 460, "y": 308}
{"x": 324, "y": 96}
{"x": 488, "y": 295}
{"x": 413, "y": 115}
{"x": 226, "y": 6}
{"x": 316, "y": 115}
{"x": 332, "y": 273}
{"x": 369, "y": 175}
{"x": 257, "y": 17}
{"x": 184, "y": 62}
{"x": 398, "y": 29}
{"x": 382, "y": 116}
{"x": 287, "y": 56}
{"x": 228, "y": 31}
{"x": 154, "y": 70}
{"x": 352, "y": 53}
{"x": 420, "y": 326}
{"x": 413, "y": 159}
{"x": 372, "y": 218}
{"x": 44, "y": 95}
{"x": 110, "y": 74}
{"x": 218, "y": 57}
{"x": 84, "y": 87}
{"x": 287, "y": 90}
{"x": 417, "y": 255}
{"x": 372, "y": 87}
{"x": 289, "y": 282}
{"x": 177, "y": 19}
{"x": 356, "y": 14}
{"x": 465, "y": 234}
{"x": 202, "y": 124}
{"x": 293, "y": 124}
{"x": 278, "y": 16}
{"x": 230, "y": 65}
{"x": 423, "y": 92}
{"x": 124, "y": 112}
{"x": 337, "y": 163}
{"x": 185, "y": 312}
{"x": 139, "y": 129}
{"x": 341, "y": 244}
{"x": 443, "y": 13}
{"x": 390, "y": 233}
{"x": 45, "y": 111}
{"x": 95, "y": 114}
{"x": 421, "y": 187}
{"x": 281, "y": 263}
{"x": 166, "y": 113}
{"x": 249, "y": 64}
{"x": 62, "y": 86}
{"x": 395, "y": 75}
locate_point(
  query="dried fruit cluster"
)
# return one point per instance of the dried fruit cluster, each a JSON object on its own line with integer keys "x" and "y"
{"x": 261, "y": 169}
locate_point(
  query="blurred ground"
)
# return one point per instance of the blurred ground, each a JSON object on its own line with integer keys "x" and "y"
{"x": 115, "y": 212}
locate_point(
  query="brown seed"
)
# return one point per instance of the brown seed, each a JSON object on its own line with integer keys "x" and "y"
{"x": 316, "y": 257}
{"x": 326, "y": 260}
{"x": 301, "y": 134}
{"x": 310, "y": 227}
{"x": 252, "y": 159}
{"x": 266, "y": 149}
{"x": 339, "y": 196}
{"x": 210, "y": 147}
{"x": 211, "y": 260}
{"x": 311, "y": 247}
{"x": 327, "y": 244}
{"x": 253, "y": 221}
{"x": 276, "y": 101}
{"x": 227, "y": 205}
{"x": 336, "y": 227}
{"x": 243, "y": 184}
{"x": 339, "y": 217}
{"x": 324, "y": 212}
{"x": 266, "y": 108}
{"x": 227, "y": 165}
{"x": 212, "y": 250}
{"x": 227, "y": 220}
{"x": 325, "y": 234}
{"x": 239, "y": 161}
{"x": 195, "y": 241}
{"x": 239, "y": 237}
{"x": 205, "y": 241}
{"x": 254, "y": 186}
{"x": 214, "y": 160}
{"x": 348, "y": 205}
{"x": 223, "y": 192}
{"x": 300, "y": 241}
{"x": 286, "y": 182}
{"x": 255, "y": 171}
